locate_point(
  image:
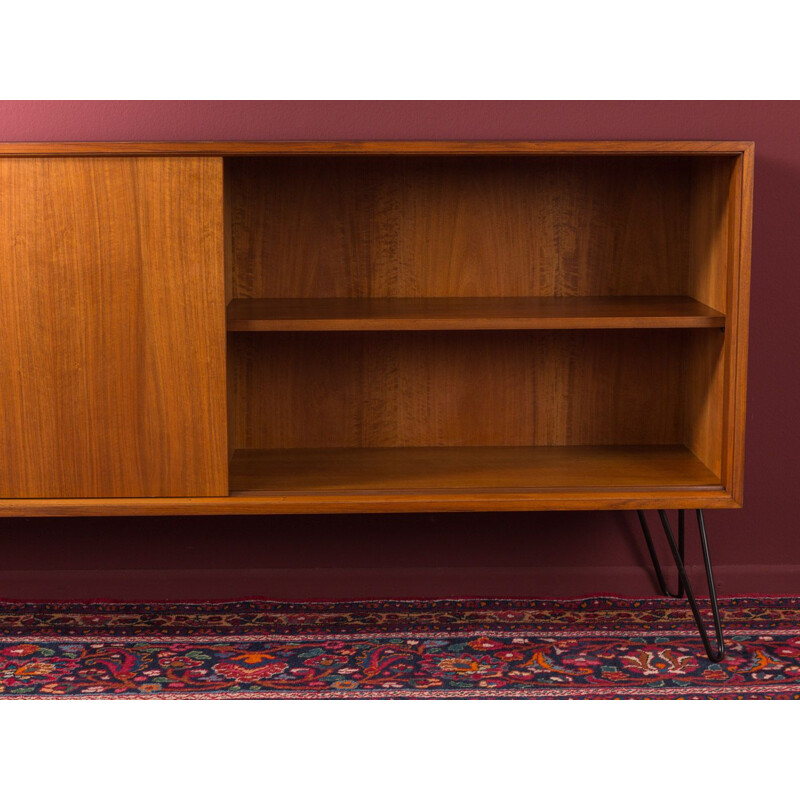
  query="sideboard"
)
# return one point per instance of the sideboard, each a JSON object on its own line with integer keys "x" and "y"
{"x": 389, "y": 326}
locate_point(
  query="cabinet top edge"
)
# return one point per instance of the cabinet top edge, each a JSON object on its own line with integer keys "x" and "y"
{"x": 378, "y": 147}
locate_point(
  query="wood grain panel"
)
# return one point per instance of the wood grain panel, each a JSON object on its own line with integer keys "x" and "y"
{"x": 709, "y": 230}
{"x": 382, "y": 147}
{"x": 737, "y": 335}
{"x": 707, "y": 280}
{"x": 456, "y": 389}
{"x": 703, "y": 395}
{"x": 713, "y": 279}
{"x": 228, "y": 245}
{"x": 381, "y": 502}
{"x": 112, "y": 323}
{"x": 468, "y": 313}
{"x": 458, "y": 227}
{"x": 467, "y": 468}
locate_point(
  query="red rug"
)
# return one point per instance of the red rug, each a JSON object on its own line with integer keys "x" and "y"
{"x": 584, "y": 649}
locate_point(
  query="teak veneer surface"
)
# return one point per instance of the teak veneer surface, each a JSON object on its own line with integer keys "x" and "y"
{"x": 457, "y": 388}
{"x": 112, "y": 371}
{"x": 427, "y": 227}
{"x": 467, "y": 469}
{"x": 465, "y": 313}
{"x": 385, "y": 147}
{"x": 419, "y": 501}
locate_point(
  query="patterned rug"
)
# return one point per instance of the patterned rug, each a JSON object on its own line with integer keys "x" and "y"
{"x": 591, "y": 648}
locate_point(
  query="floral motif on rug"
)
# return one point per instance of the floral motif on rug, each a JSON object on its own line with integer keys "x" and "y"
{"x": 584, "y": 649}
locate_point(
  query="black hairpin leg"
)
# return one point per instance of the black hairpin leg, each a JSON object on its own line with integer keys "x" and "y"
{"x": 662, "y": 584}
{"x": 683, "y": 580}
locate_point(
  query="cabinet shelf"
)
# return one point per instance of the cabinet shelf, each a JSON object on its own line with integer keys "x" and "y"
{"x": 469, "y": 313}
{"x": 469, "y": 469}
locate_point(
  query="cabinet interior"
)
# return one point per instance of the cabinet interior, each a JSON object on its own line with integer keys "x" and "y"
{"x": 476, "y": 322}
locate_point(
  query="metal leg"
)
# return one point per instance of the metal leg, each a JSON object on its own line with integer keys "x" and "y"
{"x": 683, "y": 581}
{"x": 662, "y": 584}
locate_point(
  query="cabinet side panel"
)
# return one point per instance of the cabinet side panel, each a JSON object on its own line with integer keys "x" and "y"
{"x": 703, "y": 394}
{"x": 112, "y": 322}
{"x": 740, "y": 245}
{"x": 709, "y": 230}
{"x": 708, "y": 280}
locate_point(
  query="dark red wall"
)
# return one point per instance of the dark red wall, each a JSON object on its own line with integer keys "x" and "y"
{"x": 756, "y": 549}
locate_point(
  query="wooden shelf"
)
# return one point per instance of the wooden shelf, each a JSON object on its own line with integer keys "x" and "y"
{"x": 468, "y": 469}
{"x": 468, "y": 313}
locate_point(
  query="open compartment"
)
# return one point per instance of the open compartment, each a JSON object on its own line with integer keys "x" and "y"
{"x": 360, "y": 227}
{"x": 465, "y": 324}
{"x": 472, "y": 410}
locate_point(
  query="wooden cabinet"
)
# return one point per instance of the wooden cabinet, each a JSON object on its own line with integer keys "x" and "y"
{"x": 411, "y": 326}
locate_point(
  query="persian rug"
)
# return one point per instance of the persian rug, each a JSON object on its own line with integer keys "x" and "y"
{"x": 582, "y": 649}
